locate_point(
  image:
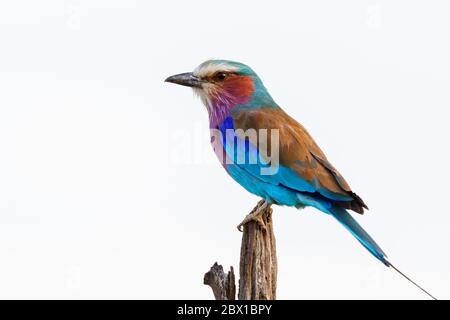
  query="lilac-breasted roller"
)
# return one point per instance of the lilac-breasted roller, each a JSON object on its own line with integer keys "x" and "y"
{"x": 268, "y": 152}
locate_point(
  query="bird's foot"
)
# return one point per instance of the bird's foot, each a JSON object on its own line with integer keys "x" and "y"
{"x": 255, "y": 215}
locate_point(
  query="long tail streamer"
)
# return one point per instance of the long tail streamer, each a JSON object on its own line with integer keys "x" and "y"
{"x": 409, "y": 279}
{"x": 366, "y": 240}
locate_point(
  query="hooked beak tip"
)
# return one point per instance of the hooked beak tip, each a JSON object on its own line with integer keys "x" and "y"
{"x": 185, "y": 79}
{"x": 169, "y": 79}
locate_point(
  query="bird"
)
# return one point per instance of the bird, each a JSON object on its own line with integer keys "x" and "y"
{"x": 269, "y": 153}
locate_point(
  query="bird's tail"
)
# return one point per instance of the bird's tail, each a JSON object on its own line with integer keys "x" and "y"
{"x": 366, "y": 240}
{"x": 359, "y": 233}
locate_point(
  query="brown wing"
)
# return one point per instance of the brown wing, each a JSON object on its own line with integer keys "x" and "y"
{"x": 299, "y": 152}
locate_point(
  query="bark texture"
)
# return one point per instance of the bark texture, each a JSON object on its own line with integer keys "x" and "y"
{"x": 258, "y": 264}
{"x": 222, "y": 285}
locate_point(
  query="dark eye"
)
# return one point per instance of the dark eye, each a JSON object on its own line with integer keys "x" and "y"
{"x": 220, "y": 76}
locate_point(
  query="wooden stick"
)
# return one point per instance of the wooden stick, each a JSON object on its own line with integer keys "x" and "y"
{"x": 258, "y": 264}
{"x": 222, "y": 285}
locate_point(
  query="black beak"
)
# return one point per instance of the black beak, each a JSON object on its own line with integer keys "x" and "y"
{"x": 186, "y": 79}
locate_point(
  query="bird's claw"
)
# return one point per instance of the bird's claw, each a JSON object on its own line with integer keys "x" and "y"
{"x": 258, "y": 219}
{"x": 256, "y": 215}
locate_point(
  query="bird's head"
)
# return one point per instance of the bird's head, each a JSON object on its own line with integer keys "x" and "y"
{"x": 223, "y": 85}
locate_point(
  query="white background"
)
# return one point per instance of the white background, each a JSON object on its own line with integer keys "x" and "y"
{"x": 108, "y": 186}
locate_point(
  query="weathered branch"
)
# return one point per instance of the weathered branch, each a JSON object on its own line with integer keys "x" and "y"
{"x": 258, "y": 264}
{"x": 222, "y": 285}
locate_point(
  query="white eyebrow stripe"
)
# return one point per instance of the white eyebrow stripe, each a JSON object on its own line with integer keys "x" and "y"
{"x": 209, "y": 68}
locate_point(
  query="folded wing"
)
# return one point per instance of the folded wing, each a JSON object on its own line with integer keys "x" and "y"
{"x": 303, "y": 165}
